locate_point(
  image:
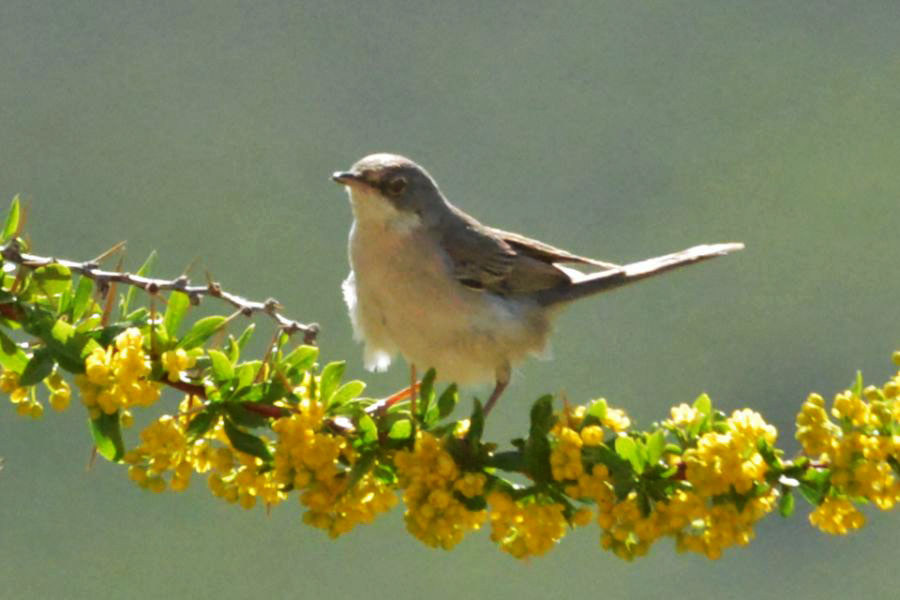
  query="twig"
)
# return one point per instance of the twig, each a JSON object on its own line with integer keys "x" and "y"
{"x": 11, "y": 252}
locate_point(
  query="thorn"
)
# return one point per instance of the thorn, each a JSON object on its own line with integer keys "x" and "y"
{"x": 92, "y": 459}
{"x": 25, "y": 208}
{"x": 118, "y": 247}
{"x": 190, "y": 267}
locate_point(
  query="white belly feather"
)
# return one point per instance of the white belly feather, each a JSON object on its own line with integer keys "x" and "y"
{"x": 403, "y": 299}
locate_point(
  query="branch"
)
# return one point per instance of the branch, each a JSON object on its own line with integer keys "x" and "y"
{"x": 11, "y": 252}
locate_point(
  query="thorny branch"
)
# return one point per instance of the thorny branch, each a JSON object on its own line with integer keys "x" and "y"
{"x": 12, "y": 252}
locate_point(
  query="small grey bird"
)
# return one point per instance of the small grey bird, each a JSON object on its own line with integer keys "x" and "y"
{"x": 433, "y": 284}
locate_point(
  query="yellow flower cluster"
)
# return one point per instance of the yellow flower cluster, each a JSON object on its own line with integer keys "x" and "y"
{"x": 431, "y": 479}
{"x": 22, "y": 397}
{"x": 527, "y": 527}
{"x": 234, "y": 476}
{"x": 837, "y": 516}
{"x": 116, "y": 377}
{"x": 684, "y": 416}
{"x": 175, "y": 362}
{"x": 310, "y": 459}
{"x": 60, "y": 392}
{"x": 859, "y": 449}
{"x": 696, "y": 524}
{"x": 625, "y": 531}
{"x": 815, "y": 431}
{"x": 237, "y": 477}
{"x": 713, "y": 528}
{"x": 565, "y": 457}
{"x": 721, "y": 461}
{"x": 164, "y": 447}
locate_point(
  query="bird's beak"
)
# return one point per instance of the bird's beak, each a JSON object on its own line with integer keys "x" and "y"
{"x": 346, "y": 177}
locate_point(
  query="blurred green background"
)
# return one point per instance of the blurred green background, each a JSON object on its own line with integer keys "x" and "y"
{"x": 621, "y": 130}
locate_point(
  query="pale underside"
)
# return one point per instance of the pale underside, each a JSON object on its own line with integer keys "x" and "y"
{"x": 403, "y": 298}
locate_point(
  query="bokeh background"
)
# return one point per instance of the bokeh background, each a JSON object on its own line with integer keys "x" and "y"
{"x": 621, "y": 130}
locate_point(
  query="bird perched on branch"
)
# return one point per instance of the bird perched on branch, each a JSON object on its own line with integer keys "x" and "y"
{"x": 432, "y": 283}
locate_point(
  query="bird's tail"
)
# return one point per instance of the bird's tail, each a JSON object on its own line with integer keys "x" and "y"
{"x": 614, "y": 278}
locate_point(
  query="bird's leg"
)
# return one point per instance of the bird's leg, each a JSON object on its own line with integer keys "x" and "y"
{"x": 412, "y": 392}
{"x": 503, "y": 376}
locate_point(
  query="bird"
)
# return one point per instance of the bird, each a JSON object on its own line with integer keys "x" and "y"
{"x": 433, "y": 284}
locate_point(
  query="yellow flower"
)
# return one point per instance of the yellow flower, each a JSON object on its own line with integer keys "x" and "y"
{"x": 313, "y": 461}
{"x": 592, "y": 435}
{"x": 814, "y": 429}
{"x": 60, "y": 392}
{"x": 724, "y": 460}
{"x": 616, "y": 419}
{"x": 526, "y": 527}
{"x": 837, "y": 516}
{"x": 684, "y": 416}
{"x": 116, "y": 377}
{"x": 565, "y": 458}
{"x": 9, "y": 382}
{"x": 175, "y": 362}
{"x": 429, "y": 477}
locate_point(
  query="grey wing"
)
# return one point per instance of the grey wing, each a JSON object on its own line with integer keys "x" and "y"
{"x": 482, "y": 259}
{"x": 546, "y": 252}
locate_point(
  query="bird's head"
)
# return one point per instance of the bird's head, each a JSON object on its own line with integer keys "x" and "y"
{"x": 390, "y": 187}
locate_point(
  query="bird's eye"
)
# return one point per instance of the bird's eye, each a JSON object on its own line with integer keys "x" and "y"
{"x": 395, "y": 186}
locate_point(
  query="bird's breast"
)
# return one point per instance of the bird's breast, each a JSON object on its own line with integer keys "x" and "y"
{"x": 408, "y": 300}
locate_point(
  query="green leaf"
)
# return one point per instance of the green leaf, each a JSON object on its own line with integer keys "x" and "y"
{"x": 656, "y": 444}
{"x": 301, "y": 358}
{"x": 176, "y": 307}
{"x": 65, "y": 301}
{"x": 12, "y": 357}
{"x": 426, "y": 392}
{"x": 368, "y": 430}
{"x": 246, "y": 442}
{"x": 476, "y": 425}
{"x": 595, "y": 413}
{"x": 250, "y": 393}
{"x": 246, "y": 372}
{"x": 703, "y": 404}
{"x": 52, "y": 279}
{"x": 236, "y": 345}
{"x": 82, "y": 298}
{"x": 132, "y": 290}
{"x": 362, "y": 465}
{"x": 506, "y": 461}
{"x": 786, "y": 503}
{"x": 537, "y": 446}
{"x": 201, "y": 423}
{"x": 542, "y": 419}
{"x": 385, "y": 474}
{"x": 857, "y": 388}
{"x": 245, "y": 336}
{"x": 222, "y": 368}
{"x": 12, "y": 221}
{"x": 628, "y": 450}
{"x": 68, "y": 348}
{"x": 345, "y": 393}
{"x": 241, "y": 415}
{"x": 474, "y": 504}
{"x": 40, "y": 365}
{"x": 234, "y": 353}
{"x": 108, "y": 436}
{"x": 400, "y": 430}
{"x": 329, "y": 380}
{"x": 813, "y": 485}
{"x": 448, "y": 400}
{"x": 202, "y": 330}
